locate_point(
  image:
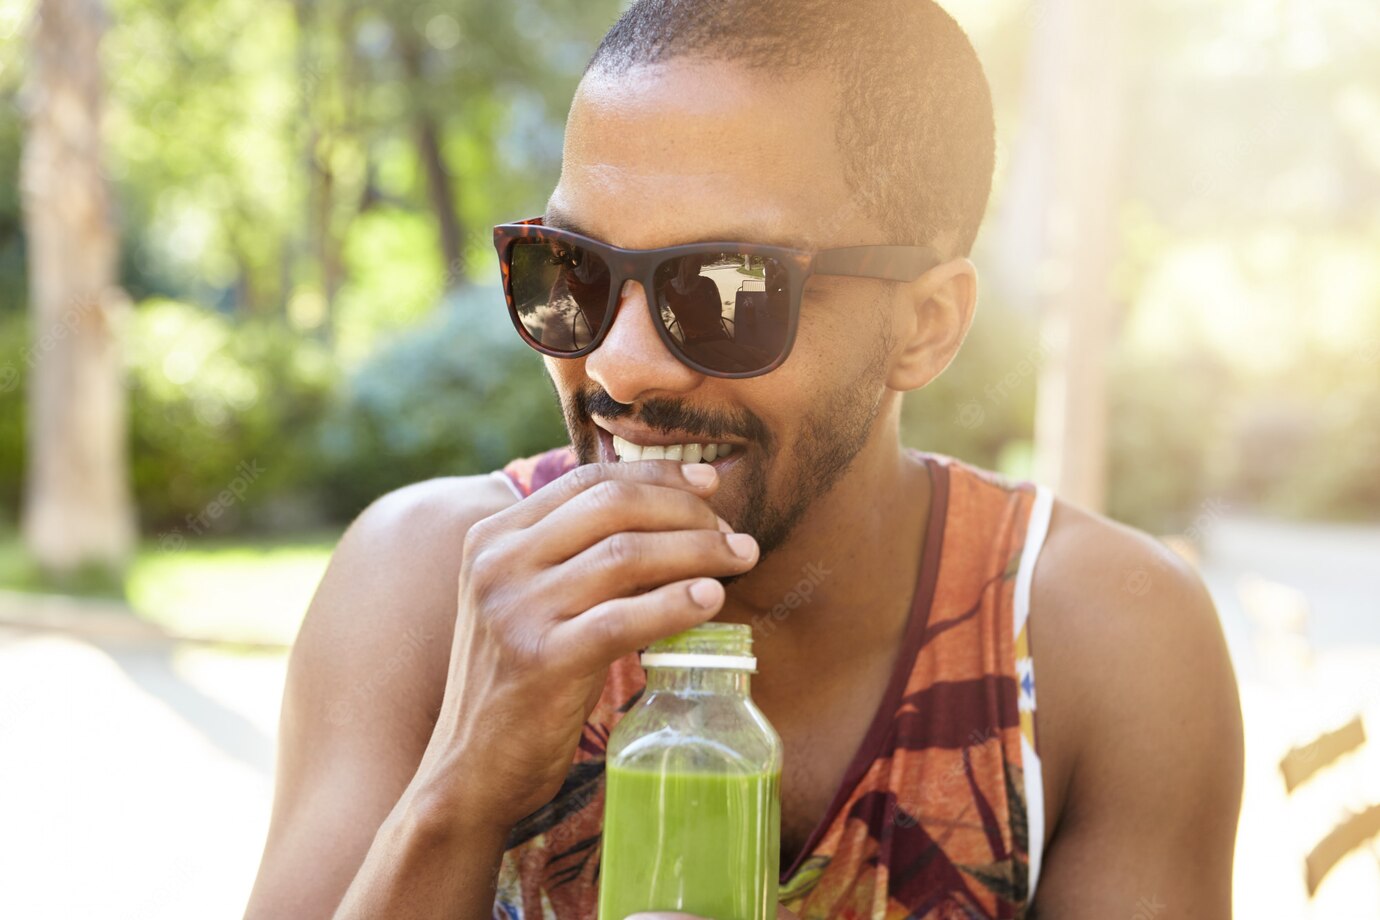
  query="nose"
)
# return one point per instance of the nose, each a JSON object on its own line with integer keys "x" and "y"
{"x": 633, "y": 361}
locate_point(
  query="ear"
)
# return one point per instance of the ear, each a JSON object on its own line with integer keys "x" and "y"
{"x": 930, "y": 319}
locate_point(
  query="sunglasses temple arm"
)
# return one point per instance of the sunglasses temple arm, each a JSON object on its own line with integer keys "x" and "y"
{"x": 887, "y": 263}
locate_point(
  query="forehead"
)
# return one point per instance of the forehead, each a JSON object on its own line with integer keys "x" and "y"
{"x": 684, "y": 151}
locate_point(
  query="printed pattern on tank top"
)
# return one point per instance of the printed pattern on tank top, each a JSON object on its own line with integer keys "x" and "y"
{"x": 934, "y": 815}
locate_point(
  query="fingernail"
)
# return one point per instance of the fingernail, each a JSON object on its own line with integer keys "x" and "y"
{"x": 742, "y": 545}
{"x": 705, "y": 592}
{"x": 724, "y": 526}
{"x": 699, "y": 474}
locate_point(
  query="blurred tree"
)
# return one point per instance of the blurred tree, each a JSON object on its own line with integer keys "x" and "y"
{"x": 1075, "y": 125}
{"x": 427, "y": 134}
{"x": 78, "y": 510}
{"x": 299, "y": 177}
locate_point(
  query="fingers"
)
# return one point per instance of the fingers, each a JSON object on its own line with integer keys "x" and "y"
{"x": 669, "y": 474}
{"x": 627, "y": 563}
{"x": 616, "y": 506}
{"x": 608, "y": 631}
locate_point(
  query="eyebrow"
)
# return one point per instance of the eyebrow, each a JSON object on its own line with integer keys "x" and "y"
{"x": 561, "y": 220}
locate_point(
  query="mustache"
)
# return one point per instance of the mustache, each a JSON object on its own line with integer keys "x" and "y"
{"x": 668, "y": 415}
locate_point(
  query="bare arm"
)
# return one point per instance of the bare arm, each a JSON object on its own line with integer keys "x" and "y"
{"x": 403, "y": 772}
{"x": 1137, "y": 694}
{"x": 365, "y": 679}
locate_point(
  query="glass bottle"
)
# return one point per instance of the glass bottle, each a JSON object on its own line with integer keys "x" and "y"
{"x": 692, "y": 804}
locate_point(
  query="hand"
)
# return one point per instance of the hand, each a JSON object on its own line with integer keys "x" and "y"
{"x": 554, "y": 589}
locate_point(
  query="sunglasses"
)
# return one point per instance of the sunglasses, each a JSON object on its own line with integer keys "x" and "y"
{"x": 723, "y": 309}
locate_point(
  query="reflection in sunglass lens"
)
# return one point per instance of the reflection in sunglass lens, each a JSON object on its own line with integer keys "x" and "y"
{"x": 727, "y": 311}
{"x": 561, "y": 292}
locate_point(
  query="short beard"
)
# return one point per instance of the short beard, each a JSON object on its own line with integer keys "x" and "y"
{"x": 831, "y": 436}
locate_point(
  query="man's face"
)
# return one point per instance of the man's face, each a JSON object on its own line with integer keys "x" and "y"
{"x": 683, "y": 152}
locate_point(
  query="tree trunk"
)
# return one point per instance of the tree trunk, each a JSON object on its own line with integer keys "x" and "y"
{"x": 441, "y": 194}
{"x": 440, "y": 190}
{"x": 1076, "y": 79}
{"x": 78, "y": 509}
{"x": 315, "y": 75}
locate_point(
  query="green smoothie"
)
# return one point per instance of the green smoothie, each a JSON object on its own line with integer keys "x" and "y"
{"x": 702, "y": 843}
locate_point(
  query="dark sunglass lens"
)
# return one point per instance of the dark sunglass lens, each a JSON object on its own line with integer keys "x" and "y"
{"x": 727, "y": 311}
{"x": 561, "y": 292}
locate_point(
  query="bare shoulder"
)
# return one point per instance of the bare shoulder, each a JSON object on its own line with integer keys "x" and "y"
{"x": 389, "y": 595}
{"x": 1106, "y": 593}
{"x": 1137, "y": 712}
{"x": 364, "y": 686}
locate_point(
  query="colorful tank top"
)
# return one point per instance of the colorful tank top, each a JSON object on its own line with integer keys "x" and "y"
{"x": 940, "y": 813}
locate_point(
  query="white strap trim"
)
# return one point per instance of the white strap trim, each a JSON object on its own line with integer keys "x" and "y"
{"x": 1035, "y": 812}
{"x": 696, "y": 660}
{"x": 508, "y": 481}
{"x": 1036, "y": 531}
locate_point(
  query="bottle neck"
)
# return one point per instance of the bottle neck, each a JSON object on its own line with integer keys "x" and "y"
{"x": 719, "y": 681}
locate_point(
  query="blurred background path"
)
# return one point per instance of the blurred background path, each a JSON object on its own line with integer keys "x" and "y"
{"x": 137, "y": 776}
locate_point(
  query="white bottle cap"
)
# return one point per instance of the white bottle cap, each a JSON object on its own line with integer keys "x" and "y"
{"x": 697, "y": 660}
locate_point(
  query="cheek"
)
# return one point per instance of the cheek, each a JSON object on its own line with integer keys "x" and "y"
{"x": 842, "y": 329}
{"x": 568, "y": 375}
{"x": 824, "y": 342}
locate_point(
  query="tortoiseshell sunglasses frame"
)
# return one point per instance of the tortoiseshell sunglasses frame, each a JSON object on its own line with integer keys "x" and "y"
{"x": 884, "y": 263}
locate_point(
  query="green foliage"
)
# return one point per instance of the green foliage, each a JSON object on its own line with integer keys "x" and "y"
{"x": 982, "y": 408}
{"x": 280, "y": 228}
{"x": 217, "y": 404}
{"x": 256, "y": 409}
{"x": 459, "y": 394}
{"x": 1160, "y": 465}
{"x": 14, "y": 352}
{"x": 1308, "y": 440}
{"x": 252, "y": 143}
{"x": 396, "y": 275}
{"x": 231, "y": 589}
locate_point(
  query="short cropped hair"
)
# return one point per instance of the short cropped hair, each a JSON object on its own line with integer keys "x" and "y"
{"x": 915, "y": 126}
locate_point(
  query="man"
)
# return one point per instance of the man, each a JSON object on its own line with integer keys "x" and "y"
{"x": 475, "y": 638}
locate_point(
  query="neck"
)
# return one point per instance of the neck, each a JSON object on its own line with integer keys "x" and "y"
{"x": 841, "y": 586}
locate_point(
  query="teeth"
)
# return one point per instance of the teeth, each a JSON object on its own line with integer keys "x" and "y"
{"x": 628, "y": 452}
